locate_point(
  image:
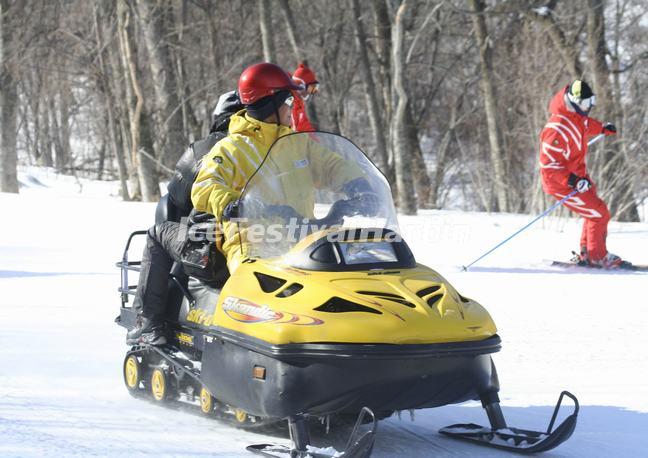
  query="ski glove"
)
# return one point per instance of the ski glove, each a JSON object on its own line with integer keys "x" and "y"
{"x": 580, "y": 184}
{"x": 609, "y": 128}
{"x": 231, "y": 210}
{"x": 365, "y": 200}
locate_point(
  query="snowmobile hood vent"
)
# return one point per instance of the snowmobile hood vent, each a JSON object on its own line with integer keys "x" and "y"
{"x": 388, "y": 297}
{"x": 429, "y": 290}
{"x": 289, "y": 290}
{"x": 268, "y": 283}
{"x": 339, "y": 305}
{"x": 434, "y": 299}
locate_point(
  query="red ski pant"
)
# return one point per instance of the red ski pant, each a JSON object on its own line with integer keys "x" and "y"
{"x": 596, "y": 217}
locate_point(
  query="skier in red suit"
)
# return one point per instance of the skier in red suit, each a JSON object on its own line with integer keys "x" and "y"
{"x": 563, "y": 147}
{"x": 306, "y": 77}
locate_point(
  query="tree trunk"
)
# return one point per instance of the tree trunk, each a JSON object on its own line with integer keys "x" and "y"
{"x": 64, "y": 154}
{"x": 265, "y": 24}
{"x": 123, "y": 26}
{"x": 490, "y": 103}
{"x": 8, "y": 108}
{"x": 109, "y": 112}
{"x": 169, "y": 115}
{"x": 192, "y": 128}
{"x": 442, "y": 154}
{"x": 402, "y": 151}
{"x": 291, "y": 29}
{"x": 46, "y": 144}
{"x": 55, "y": 134}
{"x": 145, "y": 166}
{"x": 420, "y": 172}
{"x": 568, "y": 51}
{"x": 370, "y": 92}
{"x": 383, "y": 51}
{"x": 613, "y": 180}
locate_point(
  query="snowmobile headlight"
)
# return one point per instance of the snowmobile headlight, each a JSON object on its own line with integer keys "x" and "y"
{"x": 367, "y": 252}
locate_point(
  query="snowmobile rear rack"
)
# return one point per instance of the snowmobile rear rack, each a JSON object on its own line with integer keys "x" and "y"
{"x": 136, "y": 266}
{"x": 359, "y": 445}
{"x": 499, "y": 435}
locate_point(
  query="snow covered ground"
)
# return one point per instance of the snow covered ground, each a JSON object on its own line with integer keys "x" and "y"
{"x": 61, "y": 389}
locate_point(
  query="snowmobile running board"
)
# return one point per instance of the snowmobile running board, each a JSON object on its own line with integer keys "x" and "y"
{"x": 514, "y": 439}
{"x": 359, "y": 445}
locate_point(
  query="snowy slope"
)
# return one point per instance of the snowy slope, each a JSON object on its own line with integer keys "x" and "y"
{"x": 61, "y": 392}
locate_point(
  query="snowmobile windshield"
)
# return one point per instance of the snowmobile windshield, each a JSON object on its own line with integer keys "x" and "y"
{"x": 311, "y": 182}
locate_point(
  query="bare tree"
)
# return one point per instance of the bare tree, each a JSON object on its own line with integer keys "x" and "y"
{"x": 490, "y": 102}
{"x": 265, "y": 25}
{"x": 568, "y": 48}
{"x": 291, "y": 30}
{"x": 614, "y": 172}
{"x": 144, "y": 160}
{"x": 151, "y": 15}
{"x": 8, "y": 101}
{"x": 108, "y": 103}
{"x": 370, "y": 88}
{"x": 402, "y": 151}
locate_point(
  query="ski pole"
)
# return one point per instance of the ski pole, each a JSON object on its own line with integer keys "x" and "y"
{"x": 545, "y": 213}
{"x": 549, "y": 210}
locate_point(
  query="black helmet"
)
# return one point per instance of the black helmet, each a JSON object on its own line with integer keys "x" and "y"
{"x": 581, "y": 96}
{"x": 228, "y": 104}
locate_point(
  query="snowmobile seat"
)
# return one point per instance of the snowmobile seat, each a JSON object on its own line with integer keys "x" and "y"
{"x": 167, "y": 210}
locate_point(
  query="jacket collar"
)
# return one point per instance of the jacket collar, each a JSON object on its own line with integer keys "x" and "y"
{"x": 266, "y": 133}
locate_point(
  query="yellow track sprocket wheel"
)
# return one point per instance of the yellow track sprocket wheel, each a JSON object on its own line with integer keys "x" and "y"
{"x": 241, "y": 415}
{"x": 206, "y": 401}
{"x": 159, "y": 385}
{"x": 132, "y": 373}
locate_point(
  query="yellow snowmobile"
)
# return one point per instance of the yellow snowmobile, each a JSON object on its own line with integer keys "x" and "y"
{"x": 329, "y": 313}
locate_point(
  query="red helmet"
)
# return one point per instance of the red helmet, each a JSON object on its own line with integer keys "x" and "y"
{"x": 261, "y": 80}
{"x": 305, "y": 74}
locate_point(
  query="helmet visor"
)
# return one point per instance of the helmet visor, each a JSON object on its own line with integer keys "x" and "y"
{"x": 588, "y": 103}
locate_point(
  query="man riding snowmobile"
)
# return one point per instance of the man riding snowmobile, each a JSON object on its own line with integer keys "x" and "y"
{"x": 563, "y": 147}
{"x": 265, "y": 91}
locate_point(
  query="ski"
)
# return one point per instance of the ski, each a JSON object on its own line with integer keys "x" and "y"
{"x": 624, "y": 267}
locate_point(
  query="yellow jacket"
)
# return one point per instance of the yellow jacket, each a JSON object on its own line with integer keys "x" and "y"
{"x": 232, "y": 161}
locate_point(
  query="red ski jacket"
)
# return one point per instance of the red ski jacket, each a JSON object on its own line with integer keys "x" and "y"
{"x": 563, "y": 144}
{"x": 299, "y": 118}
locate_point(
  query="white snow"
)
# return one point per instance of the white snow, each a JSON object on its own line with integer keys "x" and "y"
{"x": 61, "y": 389}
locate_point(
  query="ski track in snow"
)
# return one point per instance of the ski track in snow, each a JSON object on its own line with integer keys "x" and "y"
{"x": 61, "y": 388}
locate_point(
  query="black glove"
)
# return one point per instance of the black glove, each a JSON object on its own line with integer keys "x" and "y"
{"x": 363, "y": 200}
{"x": 231, "y": 210}
{"x": 580, "y": 184}
{"x": 357, "y": 186}
{"x": 609, "y": 128}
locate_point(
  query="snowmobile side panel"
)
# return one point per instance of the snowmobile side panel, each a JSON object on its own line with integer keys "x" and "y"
{"x": 346, "y": 378}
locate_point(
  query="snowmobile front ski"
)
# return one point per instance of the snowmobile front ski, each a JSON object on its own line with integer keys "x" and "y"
{"x": 359, "y": 445}
{"x": 626, "y": 266}
{"x": 499, "y": 435}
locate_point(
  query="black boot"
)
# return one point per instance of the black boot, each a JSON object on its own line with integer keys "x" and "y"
{"x": 582, "y": 258}
{"x": 147, "y": 331}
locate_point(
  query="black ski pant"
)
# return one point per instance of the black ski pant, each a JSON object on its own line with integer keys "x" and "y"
{"x": 164, "y": 244}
